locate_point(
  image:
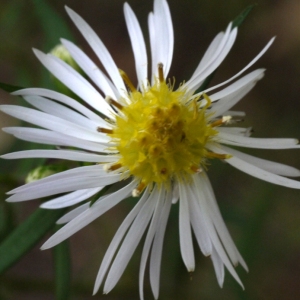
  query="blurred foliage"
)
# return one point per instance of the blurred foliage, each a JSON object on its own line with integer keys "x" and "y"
{"x": 263, "y": 219}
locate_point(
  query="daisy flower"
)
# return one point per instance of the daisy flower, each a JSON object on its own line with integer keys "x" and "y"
{"x": 152, "y": 140}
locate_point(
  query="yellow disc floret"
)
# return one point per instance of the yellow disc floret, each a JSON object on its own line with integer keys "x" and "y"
{"x": 160, "y": 135}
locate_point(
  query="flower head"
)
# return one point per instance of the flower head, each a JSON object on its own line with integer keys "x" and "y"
{"x": 153, "y": 140}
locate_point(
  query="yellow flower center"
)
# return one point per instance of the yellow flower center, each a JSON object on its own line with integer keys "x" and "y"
{"x": 161, "y": 135}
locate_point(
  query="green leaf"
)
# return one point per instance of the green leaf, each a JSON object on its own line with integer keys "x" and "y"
{"x": 62, "y": 267}
{"x": 237, "y": 22}
{"x": 9, "y": 88}
{"x": 27, "y": 235}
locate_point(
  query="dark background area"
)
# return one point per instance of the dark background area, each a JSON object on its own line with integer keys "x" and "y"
{"x": 262, "y": 218}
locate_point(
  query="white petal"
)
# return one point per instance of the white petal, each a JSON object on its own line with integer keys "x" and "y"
{"x": 54, "y": 138}
{"x": 64, "y": 185}
{"x": 138, "y": 46}
{"x": 261, "y": 143}
{"x": 70, "y": 199}
{"x": 130, "y": 242}
{"x": 156, "y": 252}
{"x": 73, "y": 213}
{"x": 218, "y": 266}
{"x": 260, "y": 173}
{"x": 237, "y": 85}
{"x": 244, "y": 131}
{"x": 219, "y": 224}
{"x": 161, "y": 37}
{"x": 211, "y": 50}
{"x": 185, "y": 234}
{"x": 61, "y": 98}
{"x": 61, "y": 154}
{"x": 253, "y": 61}
{"x": 76, "y": 172}
{"x": 224, "y": 48}
{"x": 270, "y": 166}
{"x": 53, "y": 123}
{"x": 74, "y": 81}
{"x": 212, "y": 231}
{"x": 198, "y": 225}
{"x": 91, "y": 69}
{"x": 60, "y": 111}
{"x": 89, "y": 215}
{"x": 100, "y": 50}
{"x": 110, "y": 252}
{"x": 149, "y": 238}
{"x": 229, "y": 101}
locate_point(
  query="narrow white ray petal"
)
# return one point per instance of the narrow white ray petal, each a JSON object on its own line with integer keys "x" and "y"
{"x": 91, "y": 69}
{"x": 175, "y": 193}
{"x": 218, "y": 44}
{"x": 61, "y": 154}
{"x": 110, "y": 252}
{"x": 61, "y": 98}
{"x": 138, "y": 45}
{"x": 130, "y": 242}
{"x": 237, "y": 85}
{"x": 185, "y": 233}
{"x": 74, "y": 81}
{"x": 71, "y": 198}
{"x": 260, "y": 173}
{"x": 261, "y": 143}
{"x": 235, "y": 113}
{"x": 218, "y": 266}
{"x": 161, "y": 37}
{"x": 153, "y": 47}
{"x": 167, "y": 34}
{"x": 156, "y": 252}
{"x": 198, "y": 224}
{"x": 99, "y": 48}
{"x": 212, "y": 231}
{"x": 256, "y": 58}
{"x": 73, "y": 213}
{"x": 64, "y": 185}
{"x": 218, "y": 58}
{"x": 270, "y": 166}
{"x": 52, "y": 108}
{"x": 211, "y": 50}
{"x": 89, "y": 215}
{"x": 84, "y": 171}
{"x": 149, "y": 238}
{"x": 54, "y": 138}
{"x": 53, "y": 123}
{"x": 229, "y": 101}
{"x": 243, "y": 131}
{"x": 219, "y": 223}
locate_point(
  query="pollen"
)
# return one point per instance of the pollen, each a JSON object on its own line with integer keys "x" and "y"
{"x": 161, "y": 135}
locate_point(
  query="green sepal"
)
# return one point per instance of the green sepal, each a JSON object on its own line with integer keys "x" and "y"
{"x": 9, "y": 88}
{"x": 62, "y": 267}
{"x": 26, "y": 236}
{"x": 237, "y": 22}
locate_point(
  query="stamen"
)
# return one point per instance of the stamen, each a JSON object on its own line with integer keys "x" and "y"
{"x": 196, "y": 169}
{"x": 224, "y": 120}
{"x": 112, "y": 167}
{"x": 218, "y": 155}
{"x": 136, "y": 192}
{"x": 105, "y": 130}
{"x": 113, "y": 102}
{"x": 161, "y": 72}
{"x": 127, "y": 80}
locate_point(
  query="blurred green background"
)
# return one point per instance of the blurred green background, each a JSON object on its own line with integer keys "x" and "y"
{"x": 262, "y": 218}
